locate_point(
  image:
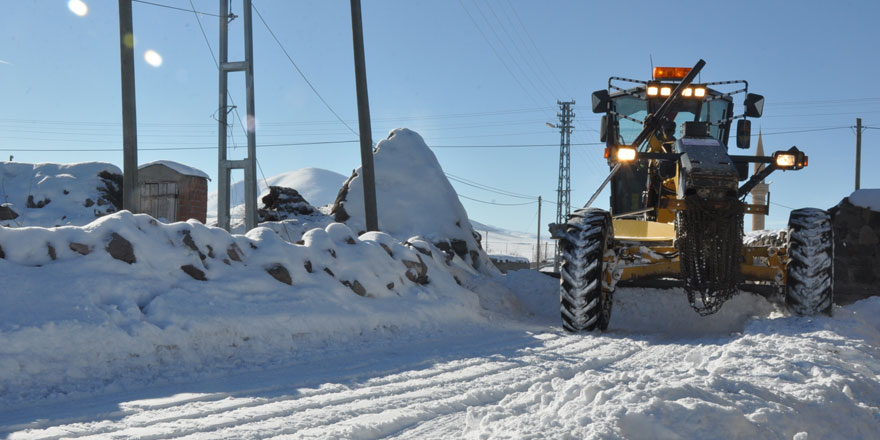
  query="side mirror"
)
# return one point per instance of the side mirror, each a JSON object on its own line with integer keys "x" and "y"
{"x": 600, "y": 101}
{"x": 754, "y": 105}
{"x": 603, "y": 132}
{"x": 743, "y": 133}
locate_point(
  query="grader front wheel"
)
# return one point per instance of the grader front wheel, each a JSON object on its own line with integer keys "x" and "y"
{"x": 585, "y": 304}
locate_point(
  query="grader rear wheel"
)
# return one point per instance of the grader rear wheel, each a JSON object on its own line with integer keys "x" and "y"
{"x": 810, "y": 285}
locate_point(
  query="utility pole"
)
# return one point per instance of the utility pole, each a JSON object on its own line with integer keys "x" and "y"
{"x": 248, "y": 164}
{"x": 366, "y": 135}
{"x": 563, "y": 192}
{"x": 129, "y": 113}
{"x": 858, "y": 153}
{"x": 538, "y": 248}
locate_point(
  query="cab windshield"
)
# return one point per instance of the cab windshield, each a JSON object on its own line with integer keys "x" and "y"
{"x": 632, "y": 112}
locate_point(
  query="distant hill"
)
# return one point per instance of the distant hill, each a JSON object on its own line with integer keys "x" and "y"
{"x": 318, "y": 186}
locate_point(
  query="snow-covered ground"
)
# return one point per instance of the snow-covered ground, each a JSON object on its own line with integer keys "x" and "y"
{"x": 659, "y": 372}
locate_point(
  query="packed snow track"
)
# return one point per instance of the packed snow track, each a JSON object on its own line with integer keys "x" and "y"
{"x": 750, "y": 372}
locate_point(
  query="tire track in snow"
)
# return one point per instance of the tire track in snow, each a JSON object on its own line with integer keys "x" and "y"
{"x": 391, "y": 414}
{"x": 323, "y": 406}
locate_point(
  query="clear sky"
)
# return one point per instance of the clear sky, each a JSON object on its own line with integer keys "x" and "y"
{"x": 461, "y": 73}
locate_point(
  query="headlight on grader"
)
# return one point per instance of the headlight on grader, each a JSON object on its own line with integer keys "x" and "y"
{"x": 793, "y": 159}
{"x": 626, "y": 154}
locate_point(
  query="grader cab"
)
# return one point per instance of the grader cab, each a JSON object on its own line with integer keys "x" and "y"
{"x": 678, "y": 202}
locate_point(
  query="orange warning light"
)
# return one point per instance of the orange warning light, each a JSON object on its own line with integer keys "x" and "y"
{"x": 670, "y": 73}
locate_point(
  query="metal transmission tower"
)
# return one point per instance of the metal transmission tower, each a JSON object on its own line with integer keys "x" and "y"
{"x": 563, "y": 192}
{"x": 248, "y": 164}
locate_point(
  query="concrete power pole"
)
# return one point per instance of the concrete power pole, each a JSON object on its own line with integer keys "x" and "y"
{"x": 858, "y": 153}
{"x": 129, "y": 112}
{"x": 248, "y": 164}
{"x": 538, "y": 248}
{"x": 365, "y": 132}
{"x": 563, "y": 192}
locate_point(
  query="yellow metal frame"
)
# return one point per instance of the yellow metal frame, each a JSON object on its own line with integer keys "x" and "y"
{"x": 760, "y": 263}
{"x": 640, "y": 230}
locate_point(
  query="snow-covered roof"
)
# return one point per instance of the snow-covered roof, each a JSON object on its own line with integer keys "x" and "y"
{"x": 186, "y": 170}
{"x": 866, "y": 198}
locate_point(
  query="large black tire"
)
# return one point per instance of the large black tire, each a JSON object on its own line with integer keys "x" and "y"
{"x": 809, "y": 287}
{"x": 584, "y": 304}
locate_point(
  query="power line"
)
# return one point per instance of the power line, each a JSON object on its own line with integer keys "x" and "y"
{"x": 175, "y": 8}
{"x": 301, "y": 74}
{"x": 497, "y": 204}
{"x": 512, "y": 145}
{"x": 78, "y": 150}
{"x": 495, "y": 51}
{"x": 489, "y": 188}
{"x": 802, "y": 131}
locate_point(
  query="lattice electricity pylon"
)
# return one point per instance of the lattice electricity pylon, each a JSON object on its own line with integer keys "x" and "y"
{"x": 563, "y": 191}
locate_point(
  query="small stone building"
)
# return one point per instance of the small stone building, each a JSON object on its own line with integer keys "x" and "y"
{"x": 172, "y": 191}
{"x": 856, "y": 247}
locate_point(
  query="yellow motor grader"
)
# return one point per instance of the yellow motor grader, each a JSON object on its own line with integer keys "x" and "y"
{"x": 677, "y": 205}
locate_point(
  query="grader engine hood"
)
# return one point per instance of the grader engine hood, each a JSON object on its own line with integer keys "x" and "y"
{"x": 706, "y": 169}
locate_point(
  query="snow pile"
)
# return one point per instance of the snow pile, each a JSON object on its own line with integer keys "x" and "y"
{"x": 51, "y": 194}
{"x": 186, "y": 170}
{"x": 413, "y": 197}
{"x": 126, "y": 299}
{"x": 866, "y": 198}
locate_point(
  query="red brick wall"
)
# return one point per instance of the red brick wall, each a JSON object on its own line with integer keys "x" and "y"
{"x": 193, "y": 199}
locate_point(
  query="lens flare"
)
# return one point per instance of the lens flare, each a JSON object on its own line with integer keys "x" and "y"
{"x": 153, "y": 58}
{"x": 78, "y": 7}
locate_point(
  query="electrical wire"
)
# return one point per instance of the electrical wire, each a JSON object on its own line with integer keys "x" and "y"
{"x": 497, "y": 204}
{"x": 488, "y": 188}
{"x": 301, "y": 74}
{"x": 175, "y": 8}
{"x": 78, "y": 150}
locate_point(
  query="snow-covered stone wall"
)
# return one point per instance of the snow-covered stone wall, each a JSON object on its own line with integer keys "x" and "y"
{"x": 53, "y": 194}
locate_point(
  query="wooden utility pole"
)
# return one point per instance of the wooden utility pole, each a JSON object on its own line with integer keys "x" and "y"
{"x": 538, "y": 248}
{"x": 365, "y": 132}
{"x": 858, "y": 153}
{"x": 129, "y": 113}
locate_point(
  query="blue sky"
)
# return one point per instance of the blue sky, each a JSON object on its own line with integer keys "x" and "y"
{"x": 461, "y": 73}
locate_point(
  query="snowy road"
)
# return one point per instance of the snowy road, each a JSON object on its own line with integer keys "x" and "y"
{"x": 768, "y": 377}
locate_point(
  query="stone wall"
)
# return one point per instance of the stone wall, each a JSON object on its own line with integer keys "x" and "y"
{"x": 857, "y": 252}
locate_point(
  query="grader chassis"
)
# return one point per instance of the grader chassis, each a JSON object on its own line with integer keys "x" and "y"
{"x": 677, "y": 206}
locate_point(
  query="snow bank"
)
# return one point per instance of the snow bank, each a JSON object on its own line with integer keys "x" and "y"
{"x": 52, "y": 194}
{"x": 79, "y": 313}
{"x": 413, "y": 198}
